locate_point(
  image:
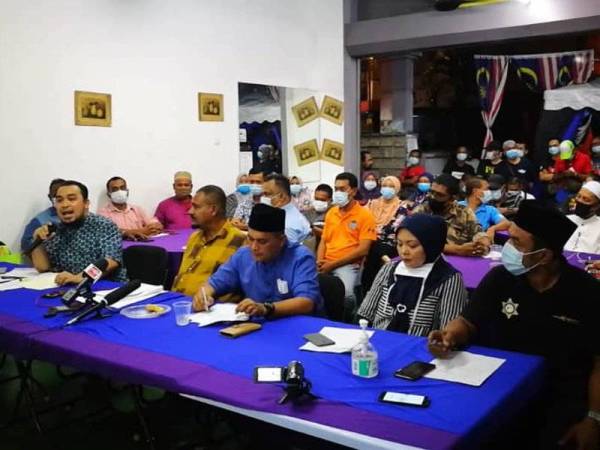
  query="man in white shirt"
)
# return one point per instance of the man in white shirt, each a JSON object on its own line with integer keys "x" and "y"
{"x": 586, "y": 237}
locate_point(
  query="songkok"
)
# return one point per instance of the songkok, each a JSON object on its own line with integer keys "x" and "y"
{"x": 267, "y": 218}
{"x": 593, "y": 187}
{"x": 182, "y": 174}
{"x": 431, "y": 231}
{"x": 545, "y": 223}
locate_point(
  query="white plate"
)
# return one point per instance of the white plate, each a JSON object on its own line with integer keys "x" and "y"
{"x": 141, "y": 311}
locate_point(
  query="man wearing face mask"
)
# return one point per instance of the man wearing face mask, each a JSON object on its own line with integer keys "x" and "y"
{"x": 516, "y": 165}
{"x": 276, "y": 192}
{"x": 320, "y": 206}
{"x": 538, "y": 303}
{"x": 596, "y": 156}
{"x": 255, "y": 181}
{"x": 48, "y": 215}
{"x": 573, "y": 162}
{"x": 478, "y": 197}
{"x": 465, "y": 235}
{"x": 547, "y": 172}
{"x": 413, "y": 170}
{"x": 457, "y": 165}
{"x": 586, "y": 237}
{"x": 172, "y": 213}
{"x": 491, "y": 161}
{"x": 133, "y": 222}
{"x": 347, "y": 237}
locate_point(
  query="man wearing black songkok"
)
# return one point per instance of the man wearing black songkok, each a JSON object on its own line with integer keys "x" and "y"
{"x": 537, "y": 303}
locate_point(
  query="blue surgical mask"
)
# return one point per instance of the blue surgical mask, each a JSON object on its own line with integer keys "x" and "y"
{"x": 424, "y": 187}
{"x": 513, "y": 154}
{"x": 512, "y": 259}
{"x": 243, "y": 189}
{"x": 340, "y": 198}
{"x": 388, "y": 192}
{"x": 256, "y": 189}
{"x": 295, "y": 189}
{"x": 461, "y": 156}
{"x": 486, "y": 197}
{"x": 554, "y": 150}
{"x": 413, "y": 161}
{"x": 596, "y": 149}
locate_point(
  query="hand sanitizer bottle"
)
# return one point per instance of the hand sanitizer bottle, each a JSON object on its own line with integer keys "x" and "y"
{"x": 364, "y": 355}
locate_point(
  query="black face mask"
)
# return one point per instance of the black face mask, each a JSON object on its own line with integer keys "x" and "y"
{"x": 583, "y": 210}
{"x": 437, "y": 207}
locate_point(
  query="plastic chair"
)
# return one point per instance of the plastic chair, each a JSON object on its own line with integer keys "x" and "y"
{"x": 332, "y": 291}
{"x": 146, "y": 263}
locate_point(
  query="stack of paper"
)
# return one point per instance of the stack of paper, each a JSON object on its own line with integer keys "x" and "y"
{"x": 145, "y": 291}
{"x": 7, "y": 285}
{"x": 219, "y": 312}
{"x": 345, "y": 340}
{"x": 40, "y": 281}
{"x": 465, "y": 368}
{"x": 27, "y": 277}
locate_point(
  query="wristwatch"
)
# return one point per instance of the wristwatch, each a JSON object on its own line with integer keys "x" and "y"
{"x": 269, "y": 309}
{"x": 594, "y": 415}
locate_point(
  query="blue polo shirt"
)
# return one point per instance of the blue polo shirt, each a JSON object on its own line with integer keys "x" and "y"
{"x": 47, "y": 215}
{"x": 292, "y": 274}
{"x": 487, "y": 215}
{"x": 297, "y": 228}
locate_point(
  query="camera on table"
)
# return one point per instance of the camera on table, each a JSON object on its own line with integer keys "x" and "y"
{"x": 297, "y": 386}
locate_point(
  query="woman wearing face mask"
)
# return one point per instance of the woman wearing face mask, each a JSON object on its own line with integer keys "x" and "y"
{"x": 420, "y": 292}
{"x": 389, "y": 213}
{"x": 423, "y": 188}
{"x": 368, "y": 188}
{"x": 242, "y": 190}
{"x": 457, "y": 165}
{"x": 301, "y": 195}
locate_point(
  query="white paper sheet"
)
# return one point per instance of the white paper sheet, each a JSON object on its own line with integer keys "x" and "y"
{"x": 219, "y": 312}
{"x": 21, "y": 272}
{"x": 9, "y": 285}
{"x": 345, "y": 340}
{"x": 465, "y": 368}
{"x": 40, "y": 281}
{"x": 144, "y": 292}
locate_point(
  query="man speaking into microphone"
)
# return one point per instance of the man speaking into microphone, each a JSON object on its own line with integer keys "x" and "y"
{"x": 80, "y": 239}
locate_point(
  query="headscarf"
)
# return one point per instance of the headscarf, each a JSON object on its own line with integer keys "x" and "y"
{"x": 365, "y": 194}
{"x": 385, "y": 211}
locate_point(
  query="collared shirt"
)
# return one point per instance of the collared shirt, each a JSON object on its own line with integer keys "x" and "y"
{"x": 74, "y": 247}
{"x": 586, "y": 238}
{"x": 411, "y": 171}
{"x": 297, "y": 228}
{"x": 487, "y": 215}
{"x": 131, "y": 218}
{"x": 173, "y": 213}
{"x": 462, "y": 223}
{"x": 581, "y": 164}
{"x": 344, "y": 230}
{"x": 47, "y": 215}
{"x": 293, "y": 273}
{"x": 202, "y": 258}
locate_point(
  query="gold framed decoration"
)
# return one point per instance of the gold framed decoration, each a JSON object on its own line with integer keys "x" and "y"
{"x": 305, "y": 111}
{"x": 210, "y": 107}
{"x": 93, "y": 109}
{"x": 306, "y": 152}
{"x": 332, "y": 109}
{"x": 333, "y": 152}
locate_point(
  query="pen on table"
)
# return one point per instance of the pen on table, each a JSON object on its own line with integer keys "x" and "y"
{"x": 206, "y": 305}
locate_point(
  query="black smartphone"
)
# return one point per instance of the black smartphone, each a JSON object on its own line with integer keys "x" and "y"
{"x": 318, "y": 339}
{"x": 53, "y": 294}
{"x": 268, "y": 374}
{"x": 414, "y": 370}
{"x": 398, "y": 398}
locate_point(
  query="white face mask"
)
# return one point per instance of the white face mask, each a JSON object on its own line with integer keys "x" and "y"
{"x": 320, "y": 205}
{"x": 265, "y": 200}
{"x": 340, "y": 198}
{"x": 119, "y": 197}
{"x": 295, "y": 189}
{"x": 370, "y": 185}
{"x": 596, "y": 149}
{"x": 413, "y": 161}
{"x": 461, "y": 156}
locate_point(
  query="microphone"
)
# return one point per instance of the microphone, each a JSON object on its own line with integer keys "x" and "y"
{"x": 91, "y": 274}
{"x": 38, "y": 241}
{"x": 109, "y": 299}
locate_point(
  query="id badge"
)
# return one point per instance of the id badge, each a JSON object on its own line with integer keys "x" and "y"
{"x": 282, "y": 286}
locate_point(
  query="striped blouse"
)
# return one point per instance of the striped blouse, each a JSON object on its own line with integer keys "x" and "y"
{"x": 435, "y": 310}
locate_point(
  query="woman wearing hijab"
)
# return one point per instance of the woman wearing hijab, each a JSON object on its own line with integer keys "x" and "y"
{"x": 242, "y": 190}
{"x": 423, "y": 188}
{"x": 421, "y": 291}
{"x": 302, "y": 196}
{"x": 368, "y": 188}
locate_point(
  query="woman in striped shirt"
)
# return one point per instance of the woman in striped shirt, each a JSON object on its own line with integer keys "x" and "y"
{"x": 421, "y": 292}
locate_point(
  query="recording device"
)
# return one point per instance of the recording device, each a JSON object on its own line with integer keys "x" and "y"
{"x": 91, "y": 274}
{"x": 318, "y": 339}
{"x": 297, "y": 386}
{"x": 108, "y": 300}
{"x": 38, "y": 241}
{"x": 414, "y": 370}
{"x": 398, "y": 398}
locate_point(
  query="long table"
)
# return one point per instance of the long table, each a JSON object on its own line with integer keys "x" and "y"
{"x": 200, "y": 362}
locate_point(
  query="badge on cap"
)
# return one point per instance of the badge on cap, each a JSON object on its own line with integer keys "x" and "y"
{"x": 509, "y": 308}
{"x": 282, "y": 286}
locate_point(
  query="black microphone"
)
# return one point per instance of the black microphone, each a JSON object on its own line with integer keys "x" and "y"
{"x": 38, "y": 241}
{"x": 109, "y": 299}
{"x": 91, "y": 274}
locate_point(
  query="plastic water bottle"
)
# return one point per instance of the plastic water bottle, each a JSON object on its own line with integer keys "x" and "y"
{"x": 364, "y": 356}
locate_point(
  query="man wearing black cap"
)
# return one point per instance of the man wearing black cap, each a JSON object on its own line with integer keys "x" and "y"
{"x": 538, "y": 303}
{"x": 491, "y": 159}
{"x": 277, "y": 278}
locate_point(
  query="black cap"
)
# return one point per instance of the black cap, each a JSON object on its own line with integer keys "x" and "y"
{"x": 547, "y": 224}
{"x": 494, "y": 145}
{"x": 496, "y": 181}
{"x": 267, "y": 218}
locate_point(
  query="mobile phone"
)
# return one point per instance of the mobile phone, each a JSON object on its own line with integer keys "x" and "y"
{"x": 53, "y": 294}
{"x": 414, "y": 370}
{"x": 398, "y": 398}
{"x": 268, "y": 374}
{"x": 318, "y": 339}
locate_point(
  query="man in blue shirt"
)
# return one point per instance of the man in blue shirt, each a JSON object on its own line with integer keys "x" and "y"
{"x": 46, "y": 216}
{"x": 488, "y": 216}
{"x": 276, "y": 277}
{"x": 276, "y": 192}
{"x": 80, "y": 239}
